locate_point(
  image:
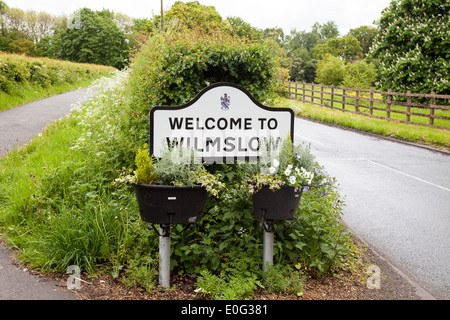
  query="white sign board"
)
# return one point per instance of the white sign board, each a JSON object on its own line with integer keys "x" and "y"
{"x": 223, "y": 123}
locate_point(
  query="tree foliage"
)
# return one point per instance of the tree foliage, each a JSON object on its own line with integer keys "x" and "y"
{"x": 193, "y": 15}
{"x": 22, "y": 46}
{"x": 359, "y": 74}
{"x": 347, "y": 48}
{"x": 413, "y": 46}
{"x": 330, "y": 70}
{"x": 366, "y": 36}
{"x": 326, "y": 31}
{"x": 92, "y": 37}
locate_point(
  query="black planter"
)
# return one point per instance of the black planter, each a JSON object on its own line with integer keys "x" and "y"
{"x": 279, "y": 204}
{"x": 162, "y": 204}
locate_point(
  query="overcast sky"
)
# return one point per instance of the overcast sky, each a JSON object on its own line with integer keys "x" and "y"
{"x": 286, "y": 14}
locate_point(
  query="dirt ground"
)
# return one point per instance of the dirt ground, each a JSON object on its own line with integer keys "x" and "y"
{"x": 341, "y": 286}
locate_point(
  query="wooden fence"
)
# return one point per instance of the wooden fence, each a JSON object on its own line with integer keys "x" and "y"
{"x": 412, "y": 108}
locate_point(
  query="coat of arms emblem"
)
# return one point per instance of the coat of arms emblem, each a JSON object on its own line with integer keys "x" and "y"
{"x": 225, "y": 102}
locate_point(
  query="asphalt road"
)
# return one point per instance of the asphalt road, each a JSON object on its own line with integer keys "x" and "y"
{"x": 17, "y": 126}
{"x": 397, "y": 199}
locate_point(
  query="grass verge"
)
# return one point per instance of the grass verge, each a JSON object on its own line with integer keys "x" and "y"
{"x": 35, "y": 92}
{"x": 438, "y": 138}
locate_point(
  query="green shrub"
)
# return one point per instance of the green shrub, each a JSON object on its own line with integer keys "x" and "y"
{"x": 283, "y": 280}
{"x": 360, "y": 75}
{"x": 234, "y": 287}
{"x": 173, "y": 67}
{"x": 330, "y": 70}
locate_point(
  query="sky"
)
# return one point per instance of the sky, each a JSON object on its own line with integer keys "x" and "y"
{"x": 285, "y": 14}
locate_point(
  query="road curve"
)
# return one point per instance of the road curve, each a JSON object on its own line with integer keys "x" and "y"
{"x": 397, "y": 198}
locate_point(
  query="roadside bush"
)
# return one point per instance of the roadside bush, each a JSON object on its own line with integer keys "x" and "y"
{"x": 360, "y": 75}
{"x": 330, "y": 70}
{"x": 173, "y": 67}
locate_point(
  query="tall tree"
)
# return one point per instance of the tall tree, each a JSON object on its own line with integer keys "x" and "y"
{"x": 366, "y": 36}
{"x": 92, "y": 37}
{"x": 413, "y": 46}
{"x": 327, "y": 30}
{"x": 194, "y": 15}
{"x": 3, "y": 8}
{"x": 346, "y": 48}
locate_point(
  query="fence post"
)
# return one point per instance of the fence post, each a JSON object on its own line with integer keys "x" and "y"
{"x": 304, "y": 87}
{"x": 296, "y": 87}
{"x": 321, "y": 94}
{"x": 371, "y": 101}
{"x": 343, "y": 98}
{"x": 432, "y": 103}
{"x": 408, "y": 106}
{"x": 388, "y": 105}
{"x": 357, "y": 100}
{"x": 312, "y": 92}
{"x": 289, "y": 89}
{"x": 332, "y": 95}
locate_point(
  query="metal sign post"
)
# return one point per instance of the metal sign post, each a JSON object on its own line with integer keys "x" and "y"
{"x": 164, "y": 256}
{"x": 267, "y": 226}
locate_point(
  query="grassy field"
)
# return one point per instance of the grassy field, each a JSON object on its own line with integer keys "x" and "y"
{"x": 439, "y": 138}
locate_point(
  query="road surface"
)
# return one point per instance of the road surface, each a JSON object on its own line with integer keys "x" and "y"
{"x": 20, "y": 124}
{"x": 17, "y": 126}
{"x": 397, "y": 198}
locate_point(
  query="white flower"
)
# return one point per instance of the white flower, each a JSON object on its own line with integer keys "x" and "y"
{"x": 289, "y": 166}
{"x": 287, "y": 172}
{"x": 275, "y": 163}
{"x": 292, "y": 179}
{"x": 272, "y": 170}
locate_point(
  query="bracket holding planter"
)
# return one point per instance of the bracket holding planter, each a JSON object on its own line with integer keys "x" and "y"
{"x": 224, "y": 124}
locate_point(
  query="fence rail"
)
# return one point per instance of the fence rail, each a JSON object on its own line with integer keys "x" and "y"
{"x": 413, "y": 108}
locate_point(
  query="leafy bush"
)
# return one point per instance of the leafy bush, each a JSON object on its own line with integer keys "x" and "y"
{"x": 359, "y": 75}
{"x": 283, "y": 279}
{"x": 223, "y": 287}
{"x": 330, "y": 70}
{"x": 173, "y": 67}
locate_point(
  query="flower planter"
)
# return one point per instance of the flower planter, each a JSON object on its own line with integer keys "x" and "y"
{"x": 279, "y": 204}
{"x": 167, "y": 205}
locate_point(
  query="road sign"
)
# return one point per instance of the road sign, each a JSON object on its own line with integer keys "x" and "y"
{"x": 223, "y": 123}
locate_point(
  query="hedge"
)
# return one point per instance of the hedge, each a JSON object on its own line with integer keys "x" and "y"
{"x": 19, "y": 71}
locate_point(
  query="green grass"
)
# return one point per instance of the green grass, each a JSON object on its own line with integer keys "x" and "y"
{"x": 434, "y": 137}
{"x": 32, "y": 93}
{"x": 53, "y": 197}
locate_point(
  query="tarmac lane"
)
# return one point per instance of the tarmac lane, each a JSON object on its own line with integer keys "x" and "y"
{"x": 397, "y": 198}
{"x": 21, "y": 124}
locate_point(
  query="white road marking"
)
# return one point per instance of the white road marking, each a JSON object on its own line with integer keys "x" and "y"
{"x": 309, "y": 139}
{"x": 408, "y": 175}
